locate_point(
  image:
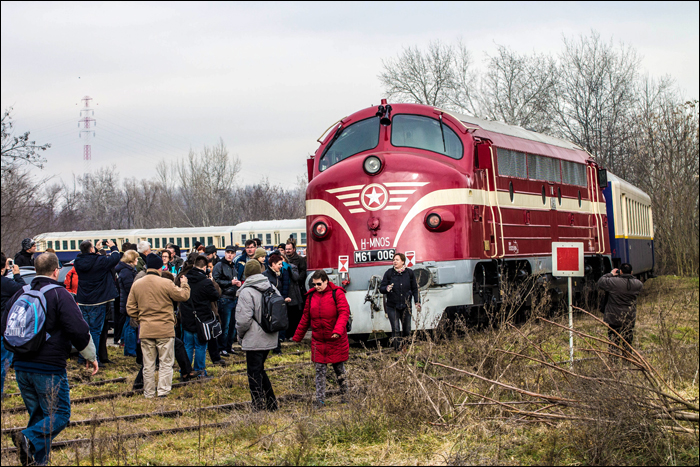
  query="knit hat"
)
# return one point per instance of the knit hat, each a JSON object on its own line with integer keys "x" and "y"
{"x": 27, "y": 243}
{"x": 210, "y": 249}
{"x": 260, "y": 253}
{"x": 251, "y": 268}
{"x": 154, "y": 261}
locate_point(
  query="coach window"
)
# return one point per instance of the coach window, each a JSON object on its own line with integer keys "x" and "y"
{"x": 179, "y": 242}
{"x": 511, "y": 192}
{"x": 172, "y": 240}
{"x": 187, "y": 242}
{"x": 210, "y": 240}
{"x": 268, "y": 239}
{"x": 72, "y": 244}
{"x": 294, "y": 236}
{"x": 65, "y": 244}
{"x": 358, "y": 137}
{"x": 415, "y": 131}
{"x": 50, "y": 243}
{"x": 157, "y": 242}
{"x": 303, "y": 238}
{"x": 223, "y": 241}
{"x": 243, "y": 238}
{"x": 150, "y": 241}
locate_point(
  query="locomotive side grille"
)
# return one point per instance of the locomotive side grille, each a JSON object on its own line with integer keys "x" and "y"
{"x": 573, "y": 173}
{"x": 543, "y": 168}
{"x": 512, "y": 163}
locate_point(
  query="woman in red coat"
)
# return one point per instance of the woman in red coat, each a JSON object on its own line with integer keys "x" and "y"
{"x": 327, "y": 312}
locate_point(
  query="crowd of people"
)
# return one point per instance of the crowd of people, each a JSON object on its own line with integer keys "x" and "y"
{"x": 164, "y": 309}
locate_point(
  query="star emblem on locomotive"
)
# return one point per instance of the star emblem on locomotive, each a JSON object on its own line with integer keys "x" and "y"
{"x": 375, "y": 200}
{"x": 388, "y": 196}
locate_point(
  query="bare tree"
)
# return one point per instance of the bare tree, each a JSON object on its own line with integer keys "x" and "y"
{"x": 206, "y": 182}
{"x": 18, "y": 149}
{"x": 519, "y": 89}
{"x": 596, "y": 98}
{"x": 666, "y": 165}
{"x": 421, "y": 77}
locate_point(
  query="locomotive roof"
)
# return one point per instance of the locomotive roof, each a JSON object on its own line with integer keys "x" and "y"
{"x": 519, "y": 139}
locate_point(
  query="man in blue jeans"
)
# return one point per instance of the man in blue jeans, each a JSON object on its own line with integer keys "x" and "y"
{"x": 197, "y": 309}
{"x": 225, "y": 276}
{"x": 96, "y": 286}
{"x": 41, "y": 375}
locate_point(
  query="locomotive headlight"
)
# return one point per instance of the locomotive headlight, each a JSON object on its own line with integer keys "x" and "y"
{"x": 320, "y": 230}
{"x": 433, "y": 221}
{"x": 439, "y": 220}
{"x": 372, "y": 165}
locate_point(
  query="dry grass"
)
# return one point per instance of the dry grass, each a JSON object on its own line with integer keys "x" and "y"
{"x": 404, "y": 410}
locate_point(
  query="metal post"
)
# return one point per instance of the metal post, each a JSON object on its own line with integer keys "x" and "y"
{"x": 571, "y": 328}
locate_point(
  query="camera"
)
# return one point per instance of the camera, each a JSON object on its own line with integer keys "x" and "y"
{"x": 10, "y": 263}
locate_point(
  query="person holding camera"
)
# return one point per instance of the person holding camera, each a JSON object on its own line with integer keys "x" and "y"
{"x": 399, "y": 285}
{"x": 621, "y": 307}
{"x": 8, "y": 287}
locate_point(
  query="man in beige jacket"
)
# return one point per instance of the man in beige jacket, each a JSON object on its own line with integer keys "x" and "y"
{"x": 150, "y": 303}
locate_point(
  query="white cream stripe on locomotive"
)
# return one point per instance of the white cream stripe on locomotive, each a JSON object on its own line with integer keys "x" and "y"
{"x": 450, "y": 197}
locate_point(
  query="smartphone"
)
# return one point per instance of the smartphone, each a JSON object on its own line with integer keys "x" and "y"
{"x": 11, "y": 263}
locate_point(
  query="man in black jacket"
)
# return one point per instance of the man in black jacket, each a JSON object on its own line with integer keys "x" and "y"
{"x": 8, "y": 287}
{"x": 41, "y": 375}
{"x": 25, "y": 257}
{"x": 96, "y": 286}
{"x": 225, "y": 276}
{"x": 197, "y": 308}
{"x": 400, "y": 287}
{"x": 621, "y": 306}
{"x": 297, "y": 260}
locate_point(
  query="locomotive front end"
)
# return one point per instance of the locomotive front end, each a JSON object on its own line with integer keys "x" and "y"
{"x": 392, "y": 179}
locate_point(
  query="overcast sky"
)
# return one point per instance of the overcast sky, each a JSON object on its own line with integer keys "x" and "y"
{"x": 269, "y": 78}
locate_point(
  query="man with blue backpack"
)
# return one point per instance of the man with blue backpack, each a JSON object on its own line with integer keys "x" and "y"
{"x": 39, "y": 324}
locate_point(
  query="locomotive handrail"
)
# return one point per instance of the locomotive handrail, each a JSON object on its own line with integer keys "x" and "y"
{"x": 322, "y": 134}
{"x": 593, "y": 196}
{"x": 498, "y": 204}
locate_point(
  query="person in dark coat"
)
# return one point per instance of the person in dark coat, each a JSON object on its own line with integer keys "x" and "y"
{"x": 96, "y": 286}
{"x": 25, "y": 257}
{"x": 41, "y": 375}
{"x": 400, "y": 287}
{"x": 327, "y": 313}
{"x": 299, "y": 261}
{"x": 224, "y": 274}
{"x": 127, "y": 274}
{"x": 279, "y": 277}
{"x": 197, "y": 308}
{"x": 8, "y": 287}
{"x": 621, "y": 307}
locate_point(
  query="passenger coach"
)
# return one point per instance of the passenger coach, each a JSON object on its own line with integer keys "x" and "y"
{"x": 271, "y": 233}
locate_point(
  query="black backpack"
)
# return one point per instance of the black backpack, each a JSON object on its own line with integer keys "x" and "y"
{"x": 348, "y": 326}
{"x": 274, "y": 312}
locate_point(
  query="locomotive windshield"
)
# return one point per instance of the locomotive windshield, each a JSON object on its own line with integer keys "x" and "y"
{"x": 358, "y": 137}
{"x": 415, "y": 131}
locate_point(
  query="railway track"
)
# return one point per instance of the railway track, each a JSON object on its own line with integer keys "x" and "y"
{"x": 90, "y": 383}
{"x": 235, "y": 406}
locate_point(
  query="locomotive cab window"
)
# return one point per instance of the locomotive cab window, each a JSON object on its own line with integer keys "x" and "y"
{"x": 415, "y": 131}
{"x": 356, "y": 138}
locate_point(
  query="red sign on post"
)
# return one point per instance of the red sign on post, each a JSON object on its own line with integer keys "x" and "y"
{"x": 343, "y": 264}
{"x": 410, "y": 259}
{"x": 567, "y": 259}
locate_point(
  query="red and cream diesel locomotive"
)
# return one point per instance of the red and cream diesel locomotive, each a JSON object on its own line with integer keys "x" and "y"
{"x": 470, "y": 202}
